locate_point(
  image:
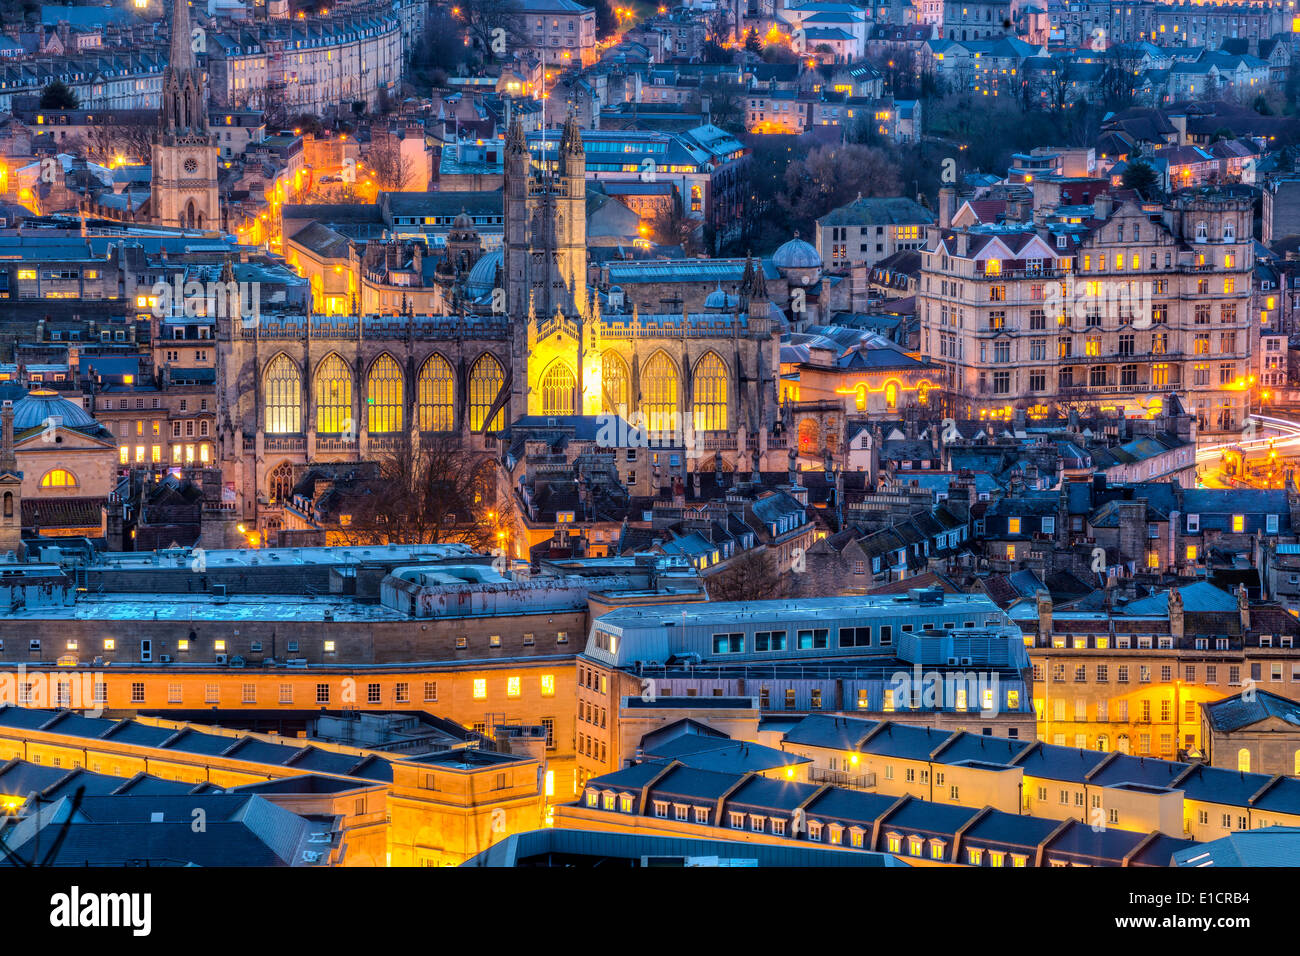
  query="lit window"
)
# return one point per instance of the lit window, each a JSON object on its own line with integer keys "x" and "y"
{"x": 59, "y": 478}
{"x": 548, "y": 685}
{"x": 512, "y": 686}
{"x": 329, "y": 647}
{"x": 480, "y": 688}
{"x": 1013, "y": 526}
{"x": 1238, "y": 524}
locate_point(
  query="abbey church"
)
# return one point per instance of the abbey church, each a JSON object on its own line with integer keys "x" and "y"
{"x": 530, "y": 331}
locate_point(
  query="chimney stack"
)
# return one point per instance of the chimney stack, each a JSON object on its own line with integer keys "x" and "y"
{"x": 947, "y": 206}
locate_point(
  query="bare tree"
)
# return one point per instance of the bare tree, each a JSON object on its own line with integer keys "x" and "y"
{"x": 438, "y": 492}
{"x": 750, "y": 576}
{"x": 393, "y": 171}
{"x": 830, "y": 176}
{"x": 672, "y": 227}
{"x": 483, "y": 18}
{"x": 129, "y": 139}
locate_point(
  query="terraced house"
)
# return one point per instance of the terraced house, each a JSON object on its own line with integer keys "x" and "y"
{"x": 440, "y": 806}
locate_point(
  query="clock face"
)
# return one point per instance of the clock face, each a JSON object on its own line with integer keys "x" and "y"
{"x": 191, "y": 165}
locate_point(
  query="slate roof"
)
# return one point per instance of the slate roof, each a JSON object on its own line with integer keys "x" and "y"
{"x": 241, "y": 830}
{"x": 1267, "y": 846}
{"x": 1236, "y": 713}
{"x": 568, "y": 844}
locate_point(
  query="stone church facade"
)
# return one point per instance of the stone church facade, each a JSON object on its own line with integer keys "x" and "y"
{"x": 297, "y": 390}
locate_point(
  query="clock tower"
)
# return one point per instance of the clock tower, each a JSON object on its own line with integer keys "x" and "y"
{"x": 184, "y": 191}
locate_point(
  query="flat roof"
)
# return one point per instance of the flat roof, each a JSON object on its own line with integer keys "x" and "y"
{"x": 731, "y": 612}
{"x": 183, "y": 608}
{"x": 276, "y": 557}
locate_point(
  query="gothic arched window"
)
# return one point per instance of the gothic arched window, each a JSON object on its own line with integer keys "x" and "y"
{"x": 384, "y": 396}
{"x": 613, "y": 384}
{"x": 659, "y": 388}
{"x": 334, "y": 397}
{"x": 434, "y": 395}
{"x": 282, "y": 397}
{"x": 279, "y": 484}
{"x": 485, "y": 381}
{"x": 710, "y": 398}
{"x": 558, "y": 383}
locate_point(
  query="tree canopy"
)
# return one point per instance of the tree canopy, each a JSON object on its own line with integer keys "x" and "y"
{"x": 59, "y": 96}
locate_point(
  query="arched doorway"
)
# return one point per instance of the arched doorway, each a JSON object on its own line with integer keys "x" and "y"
{"x": 279, "y": 484}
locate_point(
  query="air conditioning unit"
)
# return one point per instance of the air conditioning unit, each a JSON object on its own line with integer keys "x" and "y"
{"x": 221, "y": 658}
{"x": 952, "y": 662}
{"x": 966, "y": 662}
{"x": 165, "y": 658}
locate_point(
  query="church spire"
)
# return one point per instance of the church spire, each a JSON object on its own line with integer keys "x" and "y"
{"x": 182, "y": 55}
{"x": 184, "y": 109}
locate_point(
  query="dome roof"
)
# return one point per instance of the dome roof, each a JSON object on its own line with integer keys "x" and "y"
{"x": 463, "y": 223}
{"x": 34, "y": 410}
{"x": 717, "y": 299}
{"x": 797, "y": 254}
{"x": 482, "y": 278}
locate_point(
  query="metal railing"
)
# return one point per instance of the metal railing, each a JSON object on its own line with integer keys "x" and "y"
{"x": 842, "y": 778}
